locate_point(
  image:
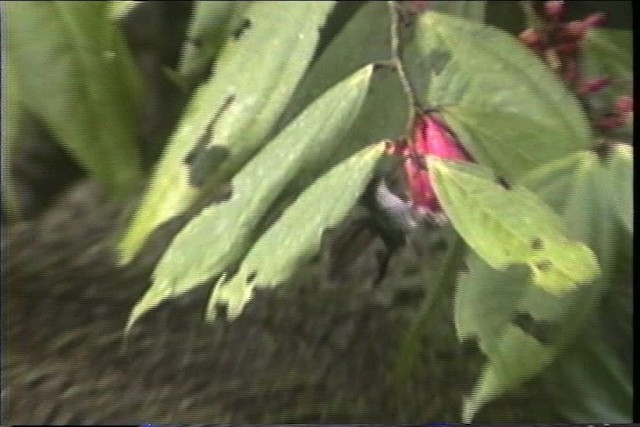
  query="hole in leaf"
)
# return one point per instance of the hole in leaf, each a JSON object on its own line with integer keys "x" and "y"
{"x": 222, "y": 310}
{"x": 504, "y": 183}
{"x": 602, "y": 150}
{"x": 544, "y": 265}
{"x": 540, "y": 330}
{"x": 536, "y": 244}
{"x": 251, "y": 277}
{"x": 438, "y": 60}
{"x": 244, "y": 26}
{"x": 206, "y": 162}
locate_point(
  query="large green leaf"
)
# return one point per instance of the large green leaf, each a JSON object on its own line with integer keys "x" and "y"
{"x": 210, "y": 25}
{"x": 496, "y": 94}
{"x": 487, "y": 300}
{"x": 233, "y": 112}
{"x": 509, "y": 226}
{"x": 78, "y": 76}
{"x": 222, "y": 233}
{"x": 364, "y": 40}
{"x": 297, "y": 235}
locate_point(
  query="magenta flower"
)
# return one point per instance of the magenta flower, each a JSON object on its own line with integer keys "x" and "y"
{"x": 430, "y": 137}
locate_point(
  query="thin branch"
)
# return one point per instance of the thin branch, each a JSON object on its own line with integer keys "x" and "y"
{"x": 396, "y": 55}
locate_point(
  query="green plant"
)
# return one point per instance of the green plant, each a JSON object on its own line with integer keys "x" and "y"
{"x": 519, "y": 149}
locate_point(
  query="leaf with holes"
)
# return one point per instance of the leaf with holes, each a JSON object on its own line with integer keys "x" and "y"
{"x": 511, "y": 225}
{"x": 488, "y": 301}
{"x": 509, "y": 110}
{"x": 77, "y": 75}
{"x": 221, "y": 234}
{"x": 210, "y": 26}
{"x": 230, "y": 115}
{"x": 297, "y": 234}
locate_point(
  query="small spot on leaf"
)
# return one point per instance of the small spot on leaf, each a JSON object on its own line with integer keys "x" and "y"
{"x": 603, "y": 150}
{"x": 504, "y": 183}
{"x": 536, "y": 244}
{"x": 195, "y": 42}
{"x": 251, "y": 277}
{"x": 540, "y": 330}
{"x": 544, "y": 265}
{"x": 204, "y": 163}
{"x": 244, "y": 26}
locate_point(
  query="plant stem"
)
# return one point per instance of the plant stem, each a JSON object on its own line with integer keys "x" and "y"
{"x": 445, "y": 278}
{"x": 396, "y": 55}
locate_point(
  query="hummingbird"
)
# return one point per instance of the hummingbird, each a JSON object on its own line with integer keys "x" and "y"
{"x": 387, "y": 219}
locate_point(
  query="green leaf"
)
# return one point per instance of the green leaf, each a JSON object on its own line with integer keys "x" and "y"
{"x": 234, "y": 111}
{"x": 601, "y": 394}
{"x": 508, "y": 226}
{"x": 619, "y": 183}
{"x": 364, "y": 40}
{"x": 221, "y": 234}
{"x": 519, "y": 352}
{"x": 487, "y": 300}
{"x": 119, "y": 9}
{"x": 210, "y": 25}
{"x": 297, "y": 235}
{"x": 78, "y": 76}
{"x": 472, "y": 10}
{"x": 609, "y": 52}
{"x": 496, "y": 94}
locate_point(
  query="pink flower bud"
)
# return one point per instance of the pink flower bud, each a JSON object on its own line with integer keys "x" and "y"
{"x": 574, "y": 31}
{"x": 594, "y": 20}
{"x": 421, "y": 192}
{"x": 593, "y": 85}
{"x": 610, "y": 122}
{"x": 569, "y": 48}
{"x": 554, "y": 9}
{"x": 624, "y": 104}
{"x": 430, "y": 137}
{"x": 531, "y": 38}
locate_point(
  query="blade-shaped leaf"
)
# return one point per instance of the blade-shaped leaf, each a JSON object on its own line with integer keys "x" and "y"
{"x": 363, "y": 40}
{"x": 211, "y": 24}
{"x": 620, "y": 182}
{"x": 507, "y": 226}
{"x": 519, "y": 352}
{"x": 222, "y": 233}
{"x": 479, "y": 71}
{"x": 77, "y": 75}
{"x": 118, "y": 9}
{"x": 487, "y": 300}
{"x": 234, "y": 111}
{"x": 296, "y": 236}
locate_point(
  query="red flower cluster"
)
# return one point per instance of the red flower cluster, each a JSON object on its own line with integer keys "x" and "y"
{"x": 430, "y": 137}
{"x": 559, "y": 44}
